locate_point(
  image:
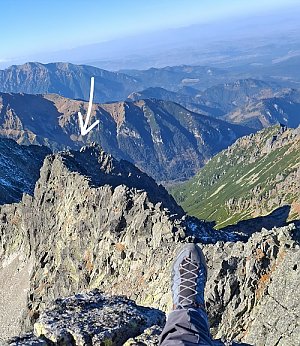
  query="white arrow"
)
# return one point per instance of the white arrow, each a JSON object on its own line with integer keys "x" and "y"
{"x": 84, "y": 129}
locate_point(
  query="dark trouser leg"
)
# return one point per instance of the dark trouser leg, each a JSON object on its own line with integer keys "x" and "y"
{"x": 186, "y": 327}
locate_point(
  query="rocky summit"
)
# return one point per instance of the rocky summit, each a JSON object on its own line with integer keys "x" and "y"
{"x": 91, "y": 222}
{"x": 94, "y": 223}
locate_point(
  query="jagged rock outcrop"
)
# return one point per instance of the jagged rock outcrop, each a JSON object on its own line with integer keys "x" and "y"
{"x": 252, "y": 293}
{"x": 94, "y": 223}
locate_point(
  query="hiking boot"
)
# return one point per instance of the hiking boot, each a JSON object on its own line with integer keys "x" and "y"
{"x": 189, "y": 274}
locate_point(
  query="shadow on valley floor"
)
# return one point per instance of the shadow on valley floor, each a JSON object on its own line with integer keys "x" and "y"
{"x": 276, "y": 218}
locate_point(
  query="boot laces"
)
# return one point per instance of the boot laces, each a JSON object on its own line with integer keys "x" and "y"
{"x": 188, "y": 281}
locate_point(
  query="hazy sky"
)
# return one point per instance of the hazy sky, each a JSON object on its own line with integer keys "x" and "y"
{"x": 32, "y": 26}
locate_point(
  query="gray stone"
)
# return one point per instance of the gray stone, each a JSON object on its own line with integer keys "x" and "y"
{"x": 90, "y": 319}
{"x": 91, "y": 226}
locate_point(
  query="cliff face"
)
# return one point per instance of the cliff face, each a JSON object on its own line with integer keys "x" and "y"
{"x": 94, "y": 223}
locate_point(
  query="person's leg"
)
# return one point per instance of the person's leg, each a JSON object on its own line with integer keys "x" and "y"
{"x": 186, "y": 327}
{"x": 188, "y": 323}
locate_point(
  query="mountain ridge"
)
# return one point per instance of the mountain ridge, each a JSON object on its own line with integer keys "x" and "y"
{"x": 268, "y": 111}
{"x": 67, "y": 79}
{"x": 253, "y": 177}
{"x": 162, "y": 138}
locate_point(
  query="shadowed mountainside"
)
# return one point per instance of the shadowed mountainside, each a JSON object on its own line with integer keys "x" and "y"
{"x": 19, "y": 169}
{"x": 162, "y": 138}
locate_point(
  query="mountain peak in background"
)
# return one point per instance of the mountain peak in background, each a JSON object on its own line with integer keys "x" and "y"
{"x": 66, "y": 79}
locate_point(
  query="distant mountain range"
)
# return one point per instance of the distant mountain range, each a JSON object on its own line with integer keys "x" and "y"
{"x": 219, "y": 98}
{"x": 283, "y": 108}
{"x": 160, "y": 130}
{"x": 211, "y": 91}
{"x": 267, "y": 112}
{"x": 186, "y": 96}
{"x": 68, "y": 80}
{"x": 229, "y": 96}
{"x": 162, "y": 138}
{"x": 174, "y": 78}
{"x": 253, "y": 177}
{"x": 249, "y": 102}
{"x": 73, "y": 81}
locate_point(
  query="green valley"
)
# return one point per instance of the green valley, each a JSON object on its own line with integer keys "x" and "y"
{"x": 253, "y": 177}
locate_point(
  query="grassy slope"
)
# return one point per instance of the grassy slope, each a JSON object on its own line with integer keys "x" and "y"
{"x": 239, "y": 179}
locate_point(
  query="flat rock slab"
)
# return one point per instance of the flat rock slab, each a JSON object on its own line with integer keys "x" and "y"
{"x": 90, "y": 319}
